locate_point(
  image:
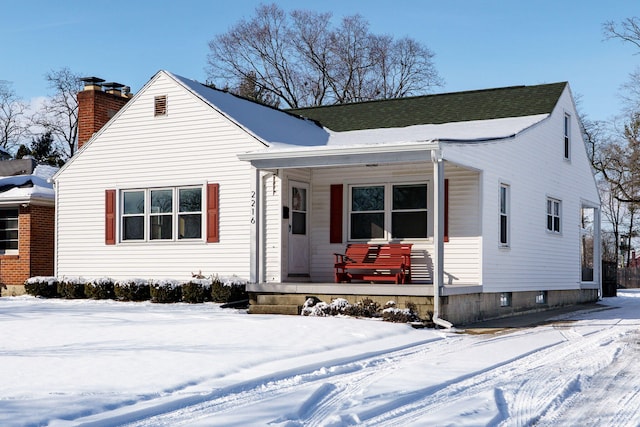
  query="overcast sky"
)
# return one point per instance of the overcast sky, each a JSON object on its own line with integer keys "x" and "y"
{"x": 478, "y": 44}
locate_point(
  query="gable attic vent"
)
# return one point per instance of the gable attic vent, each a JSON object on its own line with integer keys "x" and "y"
{"x": 160, "y": 106}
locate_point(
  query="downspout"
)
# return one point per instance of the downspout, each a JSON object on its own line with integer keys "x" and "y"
{"x": 438, "y": 235}
{"x": 56, "y": 233}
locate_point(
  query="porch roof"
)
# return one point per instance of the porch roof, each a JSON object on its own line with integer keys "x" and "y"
{"x": 386, "y": 145}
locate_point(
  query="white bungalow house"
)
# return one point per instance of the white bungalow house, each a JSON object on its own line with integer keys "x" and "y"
{"x": 493, "y": 188}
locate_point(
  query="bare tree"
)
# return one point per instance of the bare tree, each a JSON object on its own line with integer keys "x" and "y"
{"x": 59, "y": 114}
{"x": 12, "y": 115}
{"x": 301, "y": 60}
{"x": 619, "y": 162}
{"x": 628, "y": 30}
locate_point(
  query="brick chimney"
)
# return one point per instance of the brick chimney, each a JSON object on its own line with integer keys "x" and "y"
{"x": 97, "y": 106}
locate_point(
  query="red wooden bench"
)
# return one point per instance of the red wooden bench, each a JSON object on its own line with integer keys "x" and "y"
{"x": 374, "y": 263}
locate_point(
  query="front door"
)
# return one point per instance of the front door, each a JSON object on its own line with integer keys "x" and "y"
{"x": 298, "y": 229}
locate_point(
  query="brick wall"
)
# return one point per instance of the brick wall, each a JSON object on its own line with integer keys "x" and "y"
{"x": 35, "y": 246}
{"x": 42, "y": 240}
{"x": 95, "y": 109}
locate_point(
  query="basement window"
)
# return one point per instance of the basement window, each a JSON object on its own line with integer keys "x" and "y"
{"x": 505, "y": 299}
{"x": 160, "y": 106}
{"x": 541, "y": 297}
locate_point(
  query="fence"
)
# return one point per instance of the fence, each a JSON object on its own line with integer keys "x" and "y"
{"x": 629, "y": 277}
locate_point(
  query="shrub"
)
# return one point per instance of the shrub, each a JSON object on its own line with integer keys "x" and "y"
{"x": 102, "y": 288}
{"x": 393, "y": 314}
{"x": 228, "y": 289}
{"x": 165, "y": 291}
{"x": 42, "y": 286}
{"x": 132, "y": 290}
{"x": 196, "y": 291}
{"x": 315, "y": 307}
{"x": 72, "y": 287}
{"x": 365, "y": 308}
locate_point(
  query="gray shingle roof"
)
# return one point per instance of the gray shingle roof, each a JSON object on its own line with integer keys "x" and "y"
{"x": 514, "y": 101}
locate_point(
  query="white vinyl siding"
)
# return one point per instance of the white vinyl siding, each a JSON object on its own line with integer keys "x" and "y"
{"x": 194, "y": 144}
{"x": 528, "y": 163}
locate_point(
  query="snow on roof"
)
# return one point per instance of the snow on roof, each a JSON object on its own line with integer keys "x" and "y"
{"x": 477, "y": 130}
{"x": 24, "y": 188}
{"x": 471, "y": 131}
{"x": 268, "y": 124}
{"x": 283, "y": 131}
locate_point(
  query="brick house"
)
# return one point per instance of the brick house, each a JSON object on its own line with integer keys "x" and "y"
{"x": 27, "y": 223}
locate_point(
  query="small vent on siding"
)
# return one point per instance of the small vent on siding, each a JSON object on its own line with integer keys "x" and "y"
{"x": 160, "y": 106}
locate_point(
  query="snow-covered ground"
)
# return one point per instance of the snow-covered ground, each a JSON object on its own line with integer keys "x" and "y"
{"x": 106, "y": 363}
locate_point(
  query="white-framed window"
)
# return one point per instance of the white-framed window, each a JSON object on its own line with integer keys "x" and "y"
{"x": 388, "y": 211}
{"x": 587, "y": 242}
{"x": 504, "y": 215}
{"x": 567, "y": 136}
{"x": 9, "y": 231}
{"x": 161, "y": 214}
{"x": 554, "y": 215}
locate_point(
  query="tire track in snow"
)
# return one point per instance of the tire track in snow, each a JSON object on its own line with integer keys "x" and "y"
{"x": 529, "y": 389}
{"x": 618, "y": 384}
{"x": 533, "y": 380}
{"x": 339, "y": 382}
{"x": 154, "y": 412}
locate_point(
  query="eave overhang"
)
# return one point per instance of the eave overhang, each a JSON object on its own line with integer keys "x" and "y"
{"x": 399, "y": 152}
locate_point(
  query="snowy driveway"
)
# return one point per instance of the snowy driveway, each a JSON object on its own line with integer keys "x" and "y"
{"x": 105, "y": 363}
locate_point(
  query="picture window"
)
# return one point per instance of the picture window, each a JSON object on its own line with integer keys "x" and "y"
{"x": 388, "y": 211}
{"x": 162, "y": 214}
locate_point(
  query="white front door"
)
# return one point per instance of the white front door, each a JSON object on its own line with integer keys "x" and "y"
{"x": 298, "y": 229}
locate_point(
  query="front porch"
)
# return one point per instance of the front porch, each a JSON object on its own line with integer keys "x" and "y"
{"x": 308, "y": 204}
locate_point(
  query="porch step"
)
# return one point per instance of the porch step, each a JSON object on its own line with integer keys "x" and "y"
{"x": 281, "y": 300}
{"x": 289, "y": 309}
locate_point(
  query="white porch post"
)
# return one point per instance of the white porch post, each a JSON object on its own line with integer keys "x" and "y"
{"x": 254, "y": 258}
{"x": 438, "y": 235}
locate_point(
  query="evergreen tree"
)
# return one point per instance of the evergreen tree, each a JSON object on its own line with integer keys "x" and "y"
{"x": 43, "y": 149}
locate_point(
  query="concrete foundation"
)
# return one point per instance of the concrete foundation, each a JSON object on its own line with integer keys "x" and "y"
{"x": 11, "y": 290}
{"x": 468, "y": 308}
{"x": 457, "y": 309}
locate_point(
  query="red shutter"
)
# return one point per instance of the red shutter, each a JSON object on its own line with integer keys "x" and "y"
{"x": 213, "y": 233}
{"x": 335, "y": 209}
{"x": 110, "y": 217}
{"x": 446, "y": 210}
